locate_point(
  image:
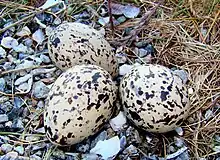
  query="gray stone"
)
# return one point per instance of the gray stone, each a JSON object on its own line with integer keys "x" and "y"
{"x": 2, "y": 84}
{"x": 6, "y": 148}
{"x": 3, "y": 118}
{"x": 6, "y": 107}
{"x": 182, "y": 74}
{"x": 11, "y": 156}
{"x": 35, "y": 157}
{"x": 40, "y": 90}
{"x": 59, "y": 154}
{"x": 142, "y": 52}
{"x": 19, "y": 149}
{"x": 45, "y": 58}
{"x": 121, "y": 19}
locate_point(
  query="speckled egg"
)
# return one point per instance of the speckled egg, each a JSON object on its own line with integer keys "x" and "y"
{"x": 153, "y": 98}
{"x": 73, "y": 43}
{"x": 78, "y": 105}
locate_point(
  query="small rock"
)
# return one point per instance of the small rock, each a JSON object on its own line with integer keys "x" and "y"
{"x": 37, "y": 61}
{"x": 121, "y": 19}
{"x": 121, "y": 58}
{"x": 82, "y": 148}
{"x": 9, "y": 42}
{"x": 123, "y": 142}
{"x": 8, "y": 124}
{"x": 182, "y": 74}
{"x": 17, "y": 102}
{"x": 140, "y": 44}
{"x": 40, "y": 130}
{"x": 101, "y": 137}
{"x": 142, "y": 52}
{"x": 6, "y": 148}
{"x": 40, "y": 90}
{"x": 125, "y": 68}
{"x": 179, "y": 131}
{"x": 28, "y": 42}
{"x": 45, "y": 58}
{"x": 25, "y": 31}
{"x": 19, "y": 149}
{"x": 103, "y": 147}
{"x": 131, "y": 150}
{"x": 3, "y": 118}
{"x": 35, "y": 157}
{"x": 32, "y": 138}
{"x": 25, "y": 64}
{"x": 20, "y": 48}
{"x": 22, "y": 79}
{"x": 38, "y": 146}
{"x": 179, "y": 142}
{"x": 59, "y": 154}
{"x": 23, "y": 87}
{"x": 40, "y": 105}
{"x": 18, "y": 124}
{"x": 11, "y": 156}
{"x": 38, "y": 36}
{"x": 2, "y": 84}
{"x": 209, "y": 114}
{"x": 118, "y": 122}
{"x": 2, "y": 53}
{"x": 171, "y": 149}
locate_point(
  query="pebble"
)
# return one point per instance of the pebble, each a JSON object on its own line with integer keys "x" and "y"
{"x": 40, "y": 105}
{"x": 23, "y": 87}
{"x": 101, "y": 137}
{"x": 45, "y": 58}
{"x": 125, "y": 68}
{"x": 40, "y": 90}
{"x": 11, "y": 156}
{"x": 19, "y": 149}
{"x": 121, "y": 19}
{"x": 18, "y": 124}
{"x": 6, "y": 148}
{"x": 82, "y": 147}
{"x": 35, "y": 157}
{"x": 182, "y": 74}
{"x": 142, "y": 52}
{"x": 28, "y": 42}
{"x": 171, "y": 149}
{"x": 40, "y": 130}
{"x": 8, "y": 124}
{"x": 121, "y": 58}
{"x": 179, "y": 131}
{"x": 2, "y": 84}
{"x": 179, "y": 142}
{"x": 3, "y": 118}
{"x": 140, "y": 44}
{"x": 2, "y": 53}
{"x": 131, "y": 150}
{"x": 59, "y": 154}
{"x": 22, "y": 79}
{"x": 118, "y": 122}
{"x": 17, "y": 102}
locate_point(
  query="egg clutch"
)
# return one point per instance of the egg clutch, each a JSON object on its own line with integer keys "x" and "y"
{"x": 82, "y": 98}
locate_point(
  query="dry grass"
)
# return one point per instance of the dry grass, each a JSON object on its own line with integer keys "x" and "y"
{"x": 186, "y": 35}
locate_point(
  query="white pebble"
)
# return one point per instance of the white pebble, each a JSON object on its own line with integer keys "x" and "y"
{"x": 20, "y": 48}
{"x": 118, "y": 122}
{"x": 45, "y": 58}
{"x": 25, "y": 31}
{"x": 6, "y": 148}
{"x": 22, "y": 79}
{"x": 3, "y": 118}
{"x": 38, "y": 36}
{"x": 9, "y": 42}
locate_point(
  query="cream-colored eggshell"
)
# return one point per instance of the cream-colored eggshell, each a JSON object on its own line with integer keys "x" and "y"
{"x": 78, "y": 105}
{"x": 75, "y": 43}
{"x": 153, "y": 98}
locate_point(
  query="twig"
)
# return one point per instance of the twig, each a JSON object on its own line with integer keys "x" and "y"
{"x": 110, "y": 19}
{"x": 142, "y": 23}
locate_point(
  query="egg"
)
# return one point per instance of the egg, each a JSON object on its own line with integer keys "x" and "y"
{"x": 74, "y": 43}
{"x": 153, "y": 98}
{"x": 78, "y": 104}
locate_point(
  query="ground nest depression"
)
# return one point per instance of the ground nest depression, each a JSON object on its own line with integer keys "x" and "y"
{"x": 182, "y": 36}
